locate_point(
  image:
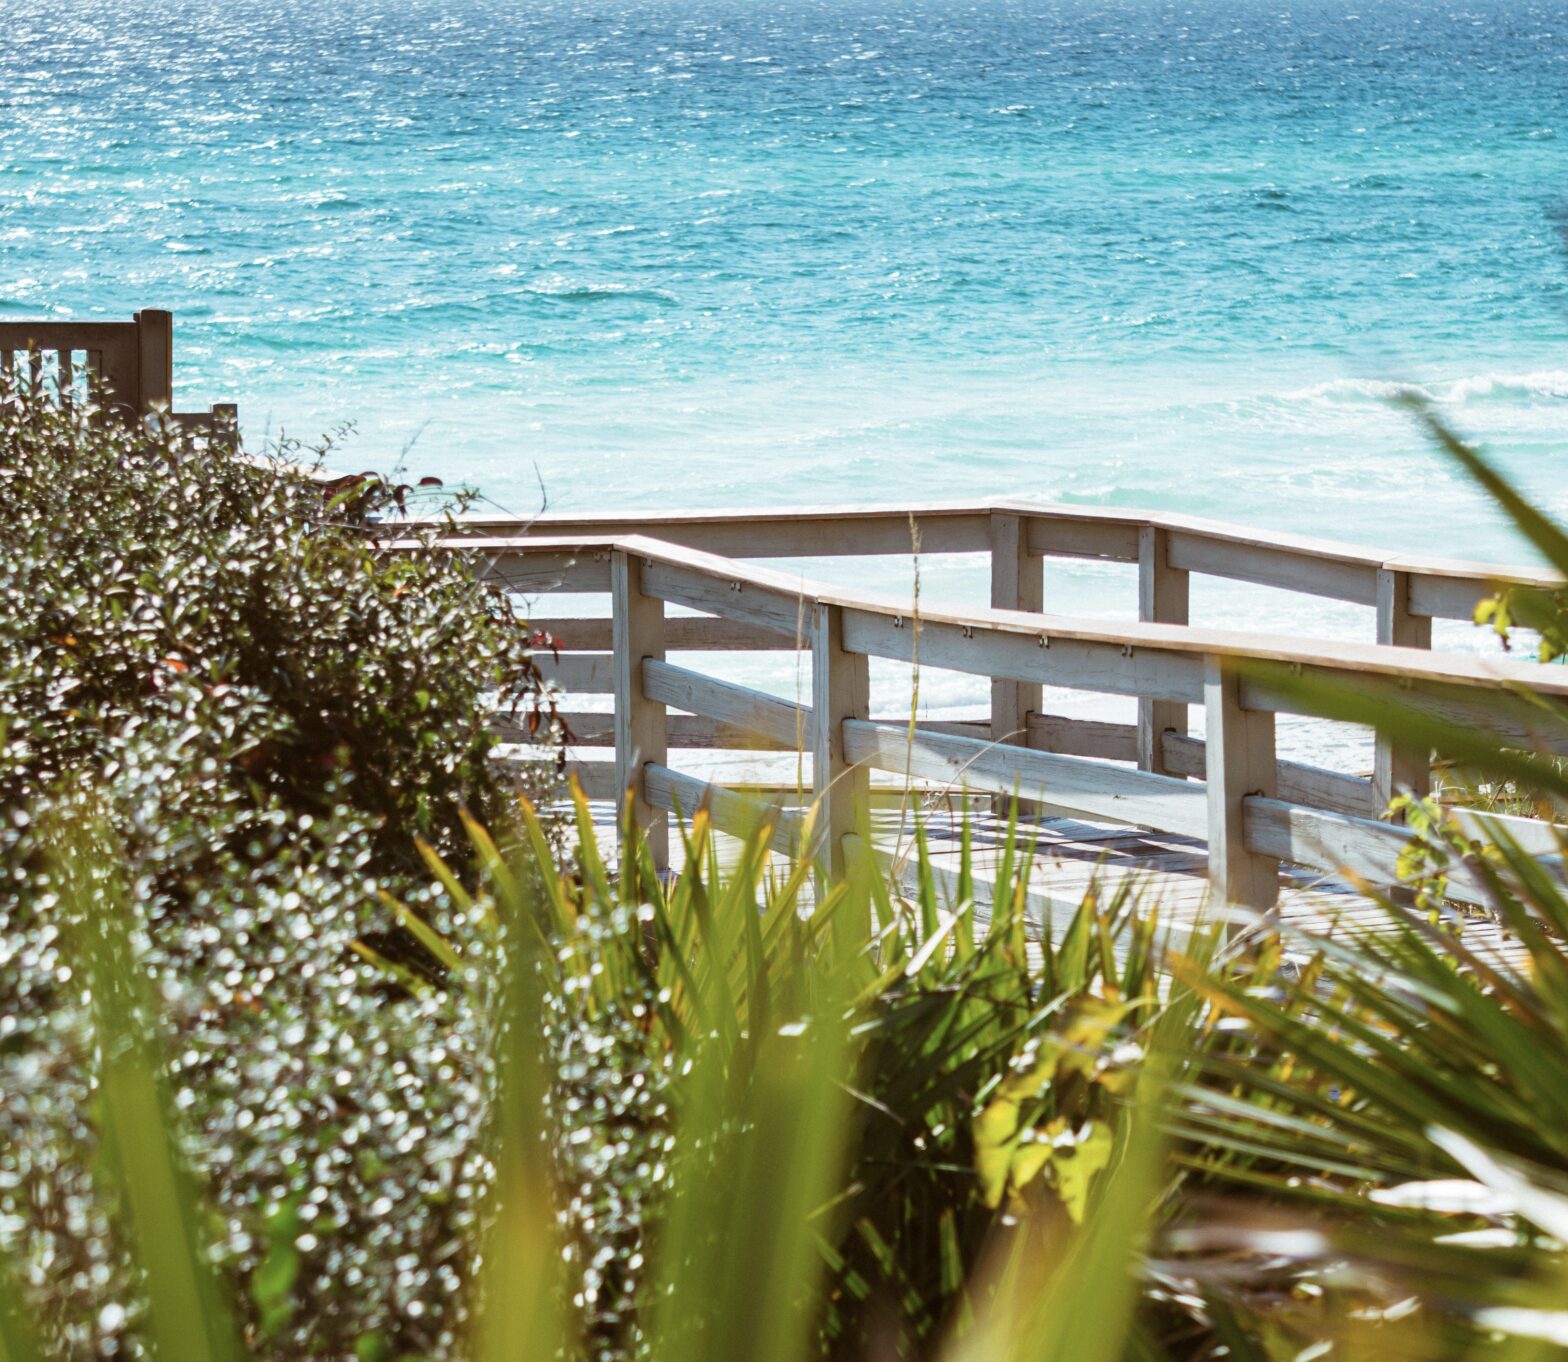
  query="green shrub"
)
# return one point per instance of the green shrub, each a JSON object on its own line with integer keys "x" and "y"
{"x": 266, "y": 717}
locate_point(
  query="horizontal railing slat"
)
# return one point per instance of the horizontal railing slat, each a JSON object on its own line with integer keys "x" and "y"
{"x": 1268, "y": 566}
{"x": 694, "y": 633}
{"x": 1518, "y": 715}
{"x": 1075, "y": 784}
{"x": 737, "y": 706}
{"x": 786, "y": 532}
{"x": 731, "y": 813}
{"x": 746, "y": 596}
{"x": 597, "y": 729}
{"x": 1299, "y": 783}
{"x": 521, "y": 570}
{"x": 981, "y": 649}
{"x": 579, "y": 673}
{"x": 1083, "y": 737}
{"x": 597, "y": 778}
{"x": 1448, "y": 598}
{"x": 1335, "y": 842}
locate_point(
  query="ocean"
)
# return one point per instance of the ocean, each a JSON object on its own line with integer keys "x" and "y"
{"x": 720, "y": 252}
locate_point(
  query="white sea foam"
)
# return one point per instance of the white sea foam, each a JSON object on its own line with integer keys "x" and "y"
{"x": 1539, "y": 385}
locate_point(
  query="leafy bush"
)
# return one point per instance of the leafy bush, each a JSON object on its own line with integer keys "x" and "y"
{"x": 266, "y": 717}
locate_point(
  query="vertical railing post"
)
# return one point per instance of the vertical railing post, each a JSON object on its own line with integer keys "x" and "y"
{"x": 636, "y": 634}
{"x": 840, "y": 689}
{"x": 1397, "y": 766}
{"x": 1239, "y": 761}
{"x": 155, "y": 361}
{"x": 1017, "y": 583}
{"x": 1162, "y": 599}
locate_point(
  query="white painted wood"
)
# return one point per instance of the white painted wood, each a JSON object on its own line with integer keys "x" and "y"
{"x": 1398, "y": 767}
{"x": 1151, "y": 660}
{"x": 735, "y": 594}
{"x": 731, "y": 813}
{"x": 1339, "y": 843}
{"x": 688, "y": 731}
{"x": 1163, "y": 598}
{"x": 804, "y": 532}
{"x": 840, "y": 694}
{"x": 1239, "y": 763}
{"x": 780, "y": 601}
{"x": 682, "y": 633}
{"x": 638, "y": 624}
{"x": 1445, "y": 588}
{"x": 1083, "y": 737}
{"x": 578, "y": 673}
{"x": 751, "y": 711}
{"x": 1017, "y": 583}
{"x": 1076, "y": 785}
{"x": 1074, "y": 532}
{"x": 1112, "y": 665}
{"x": 527, "y": 572}
{"x": 1448, "y": 598}
{"x": 1296, "y": 781}
{"x": 1270, "y": 565}
{"x": 1518, "y": 710}
{"x": 1531, "y": 835}
{"x": 597, "y": 778}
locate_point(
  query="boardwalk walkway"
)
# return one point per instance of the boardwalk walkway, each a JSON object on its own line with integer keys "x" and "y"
{"x": 1198, "y": 813}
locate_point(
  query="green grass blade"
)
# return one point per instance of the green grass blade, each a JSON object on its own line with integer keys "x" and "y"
{"x": 521, "y": 1312}
{"x": 187, "y": 1316}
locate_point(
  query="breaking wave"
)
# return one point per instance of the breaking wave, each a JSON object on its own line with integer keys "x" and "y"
{"x": 1545, "y": 385}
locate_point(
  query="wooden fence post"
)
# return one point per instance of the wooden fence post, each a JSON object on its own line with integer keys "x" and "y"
{"x": 840, "y": 689}
{"x": 1162, "y": 599}
{"x": 155, "y": 362}
{"x": 1239, "y": 761}
{"x": 637, "y": 633}
{"x": 1017, "y": 583}
{"x": 1398, "y": 767}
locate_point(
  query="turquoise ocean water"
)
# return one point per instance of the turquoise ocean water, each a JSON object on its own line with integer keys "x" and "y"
{"x": 715, "y": 252}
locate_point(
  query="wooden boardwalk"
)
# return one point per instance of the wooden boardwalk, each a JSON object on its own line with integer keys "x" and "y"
{"x": 1202, "y": 817}
{"x": 1203, "y": 820}
{"x": 1220, "y": 808}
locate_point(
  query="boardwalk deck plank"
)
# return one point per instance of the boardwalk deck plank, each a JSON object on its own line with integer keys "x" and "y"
{"x": 1073, "y": 857}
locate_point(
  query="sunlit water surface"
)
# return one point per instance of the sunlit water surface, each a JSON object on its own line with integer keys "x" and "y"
{"x": 658, "y": 255}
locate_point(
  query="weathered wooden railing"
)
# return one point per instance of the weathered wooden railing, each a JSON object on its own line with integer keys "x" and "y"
{"x": 1253, "y": 810}
{"x": 124, "y": 365}
{"x": 1408, "y": 592}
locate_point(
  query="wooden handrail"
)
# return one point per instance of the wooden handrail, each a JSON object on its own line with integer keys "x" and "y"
{"x": 1253, "y": 809}
{"x": 1449, "y": 588}
{"x": 778, "y": 603}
